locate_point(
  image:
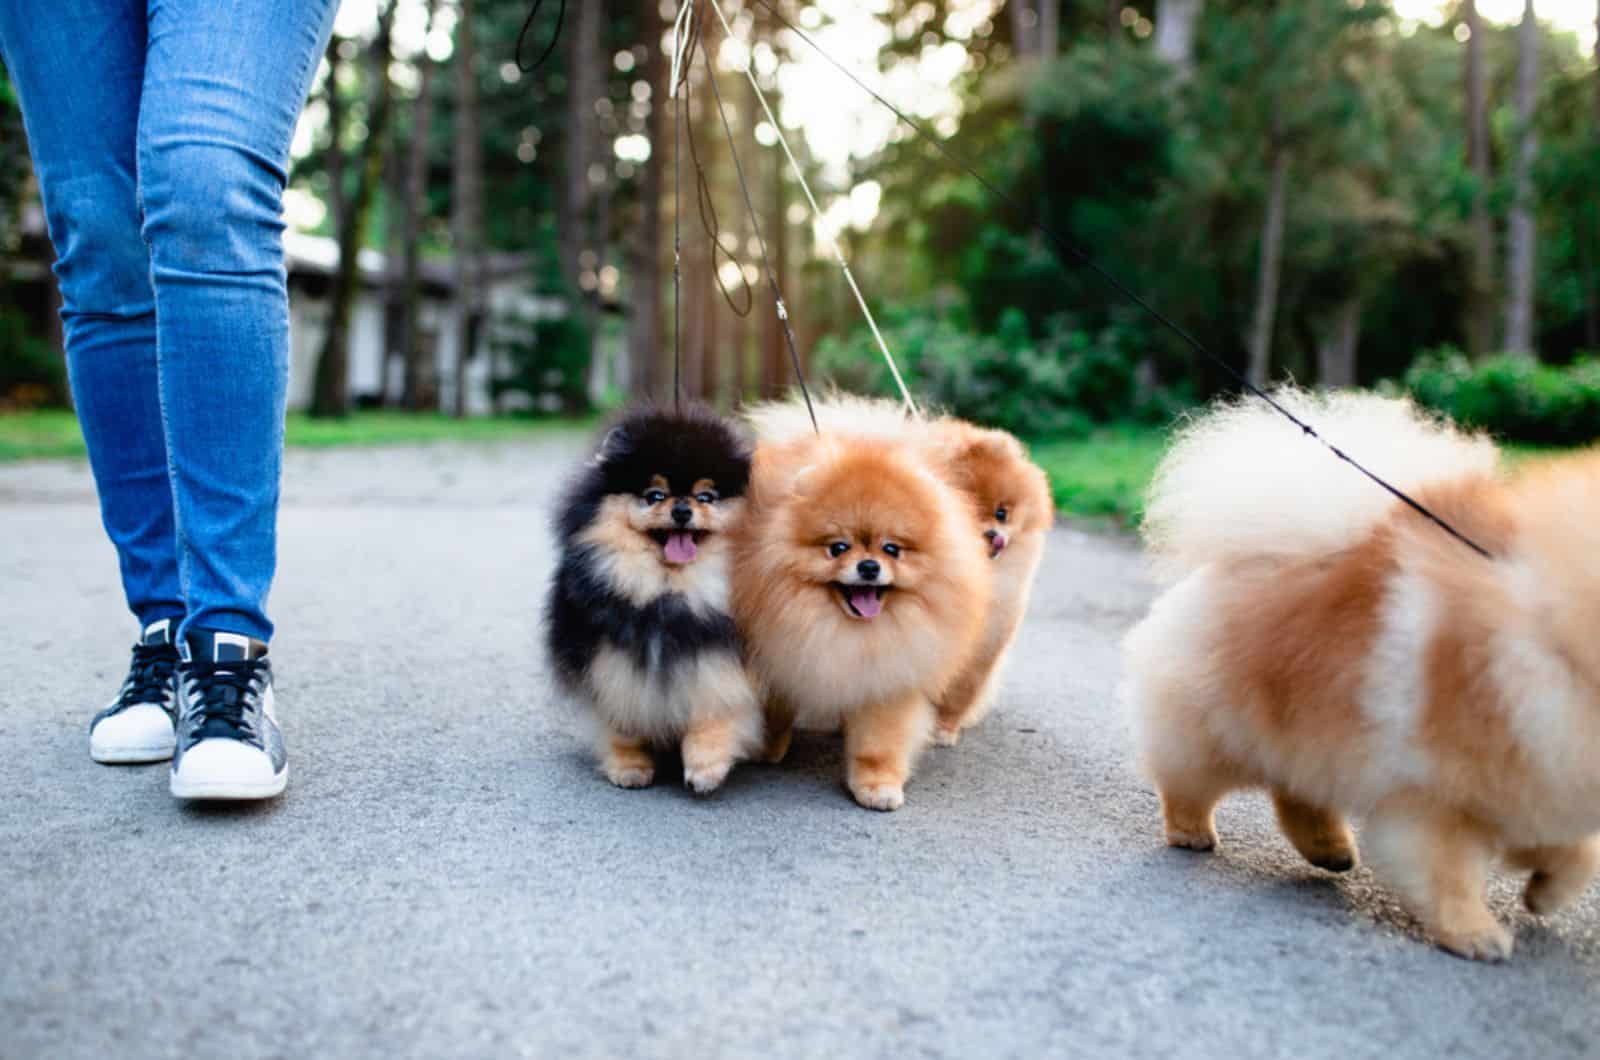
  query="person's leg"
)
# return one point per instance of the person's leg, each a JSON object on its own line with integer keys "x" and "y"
{"x": 78, "y": 69}
{"x": 224, "y": 83}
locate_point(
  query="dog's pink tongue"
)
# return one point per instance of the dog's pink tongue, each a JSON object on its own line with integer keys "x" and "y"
{"x": 680, "y": 547}
{"x": 866, "y": 602}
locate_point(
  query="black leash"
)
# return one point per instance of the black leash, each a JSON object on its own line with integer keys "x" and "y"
{"x": 555, "y": 35}
{"x": 1081, "y": 257}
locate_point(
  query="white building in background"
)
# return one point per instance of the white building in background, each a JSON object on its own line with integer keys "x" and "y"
{"x": 376, "y": 379}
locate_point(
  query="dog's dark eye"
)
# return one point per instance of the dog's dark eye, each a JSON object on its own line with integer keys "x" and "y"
{"x": 708, "y": 497}
{"x": 1000, "y": 514}
{"x": 891, "y": 549}
{"x": 654, "y": 496}
{"x": 838, "y": 548}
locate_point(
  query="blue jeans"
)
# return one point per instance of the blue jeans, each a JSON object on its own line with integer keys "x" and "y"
{"x": 160, "y": 134}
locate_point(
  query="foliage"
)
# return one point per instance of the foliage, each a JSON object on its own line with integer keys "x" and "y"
{"x": 32, "y": 372}
{"x": 1058, "y": 385}
{"x": 1514, "y": 398}
{"x": 549, "y": 358}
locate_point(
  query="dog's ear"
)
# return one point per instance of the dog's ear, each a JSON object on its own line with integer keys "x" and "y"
{"x": 616, "y": 442}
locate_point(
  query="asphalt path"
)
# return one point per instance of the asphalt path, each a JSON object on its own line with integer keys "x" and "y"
{"x": 449, "y": 876}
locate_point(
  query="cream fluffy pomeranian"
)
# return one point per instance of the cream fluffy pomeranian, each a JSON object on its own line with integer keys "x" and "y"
{"x": 1328, "y": 644}
{"x": 1010, "y": 501}
{"x": 862, "y": 588}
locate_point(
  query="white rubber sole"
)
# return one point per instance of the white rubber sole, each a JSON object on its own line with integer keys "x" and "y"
{"x": 130, "y": 756}
{"x": 228, "y": 790}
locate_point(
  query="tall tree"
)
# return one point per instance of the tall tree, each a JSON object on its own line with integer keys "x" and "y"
{"x": 331, "y": 382}
{"x": 1522, "y": 236}
{"x": 467, "y": 202}
{"x": 1270, "y": 257}
{"x": 412, "y": 205}
{"x": 1177, "y": 27}
{"x": 645, "y": 284}
{"x": 1480, "y": 274}
{"x": 580, "y": 249}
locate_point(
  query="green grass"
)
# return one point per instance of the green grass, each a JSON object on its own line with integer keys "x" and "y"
{"x": 50, "y": 433}
{"x": 1104, "y": 475}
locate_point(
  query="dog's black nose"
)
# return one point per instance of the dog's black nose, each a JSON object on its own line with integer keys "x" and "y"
{"x": 681, "y": 514}
{"x": 991, "y": 534}
{"x": 868, "y": 569}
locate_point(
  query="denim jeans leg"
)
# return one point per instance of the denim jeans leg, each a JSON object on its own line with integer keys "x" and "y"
{"x": 78, "y": 69}
{"x": 224, "y": 84}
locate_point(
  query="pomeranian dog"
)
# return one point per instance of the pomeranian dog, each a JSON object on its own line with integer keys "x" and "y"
{"x": 1329, "y": 644}
{"x": 862, "y": 589}
{"x": 637, "y": 622}
{"x": 1011, "y": 501}
{"x": 1014, "y": 512}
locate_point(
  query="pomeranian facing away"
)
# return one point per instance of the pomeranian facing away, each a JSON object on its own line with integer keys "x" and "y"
{"x": 1010, "y": 500}
{"x": 637, "y": 621}
{"x": 1329, "y": 644}
{"x": 861, "y": 590}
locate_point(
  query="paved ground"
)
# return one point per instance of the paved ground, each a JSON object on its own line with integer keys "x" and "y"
{"x": 448, "y": 876}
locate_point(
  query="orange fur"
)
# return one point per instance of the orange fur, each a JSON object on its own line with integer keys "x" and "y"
{"x": 814, "y": 660}
{"x": 1454, "y": 701}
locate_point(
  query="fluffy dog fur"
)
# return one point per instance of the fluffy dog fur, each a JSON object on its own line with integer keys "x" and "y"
{"x": 637, "y": 621}
{"x": 831, "y": 641}
{"x": 1330, "y": 645}
{"x": 1011, "y": 503}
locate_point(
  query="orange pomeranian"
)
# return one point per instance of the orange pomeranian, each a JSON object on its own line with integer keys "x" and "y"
{"x": 1014, "y": 512}
{"x": 861, "y": 590}
{"x": 1332, "y": 646}
{"x": 1011, "y": 504}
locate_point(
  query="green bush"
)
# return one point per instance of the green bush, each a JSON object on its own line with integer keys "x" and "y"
{"x": 32, "y": 371}
{"x": 549, "y": 362}
{"x": 1514, "y": 398}
{"x": 1059, "y": 386}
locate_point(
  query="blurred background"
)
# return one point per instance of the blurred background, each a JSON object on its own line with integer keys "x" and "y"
{"x": 1397, "y": 193}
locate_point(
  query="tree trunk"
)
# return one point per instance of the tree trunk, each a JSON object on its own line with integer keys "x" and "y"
{"x": 331, "y": 382}
{"x": 580, "y": 256}
{"x": 1177, "y": 26}
{"x": 412, "y": 205}
{"x": 1114, "y": 19}
{"x": 1024, "y": 28}
{"x": 1336, "y": 353}
{"x": 645, "y": 285}
{"x": 1271, "y": 263}
{"x": 1521, "y": 239}
{"x": 467, "y": 202}
{"x": 1049, "y": 29}
{"x": 1480, "y": 278}
{"x": 335, "y": 160}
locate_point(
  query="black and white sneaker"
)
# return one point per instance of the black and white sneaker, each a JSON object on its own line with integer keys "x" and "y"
{"x": 228, "y": 745}
{"x": 138, "y": 726}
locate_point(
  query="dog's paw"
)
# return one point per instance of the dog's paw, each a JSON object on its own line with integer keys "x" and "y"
{"x": 946, "y": 736}
{"x": 1491, "y": 942}
{"x": 630, "y": 775}
{"x": 776, "y": 747}
{"x": 703, "y": 778}
{"x": 884, "y": 797}
{"x": 1186, "y": 839}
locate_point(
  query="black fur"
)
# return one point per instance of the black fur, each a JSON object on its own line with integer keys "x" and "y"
{"x": 583, "y": 613}
{"x": 682, "y": 446}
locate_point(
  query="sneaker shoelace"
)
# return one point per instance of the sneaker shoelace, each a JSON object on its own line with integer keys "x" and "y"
{"x": 221, "y": 697}
{"x": 149, "y": 675}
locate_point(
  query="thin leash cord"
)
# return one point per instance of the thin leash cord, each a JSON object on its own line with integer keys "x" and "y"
{"x": 1077, "y": 254}
{"x": 555, "y": 35}
{"x": 816, "y": 214}
{"x": 761, "y": 240}
{"x": 680, "y": 45}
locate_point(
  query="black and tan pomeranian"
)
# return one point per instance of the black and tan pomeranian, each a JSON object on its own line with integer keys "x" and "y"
{"x": 638, "y": 624}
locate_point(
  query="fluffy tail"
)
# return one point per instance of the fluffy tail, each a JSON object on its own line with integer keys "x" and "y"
{"x": 1241, "y": 481}
{"x": 837, "y": 413}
